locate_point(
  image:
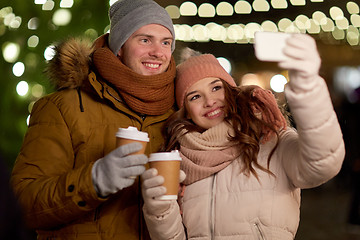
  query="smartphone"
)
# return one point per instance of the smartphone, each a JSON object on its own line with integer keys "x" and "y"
{"x": 269, "y": 46}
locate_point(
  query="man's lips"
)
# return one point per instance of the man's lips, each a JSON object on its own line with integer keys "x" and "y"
{"x": 152, "y": 65}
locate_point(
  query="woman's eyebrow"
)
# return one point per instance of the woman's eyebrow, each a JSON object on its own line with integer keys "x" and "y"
{"x": 192, "y": 92}
{"x": 215, "y": 81}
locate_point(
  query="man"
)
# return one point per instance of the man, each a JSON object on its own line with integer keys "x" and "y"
{"x": 69, "y": 177}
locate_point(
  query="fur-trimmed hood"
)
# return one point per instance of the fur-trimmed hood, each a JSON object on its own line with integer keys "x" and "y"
{"x": 71, "y": 63}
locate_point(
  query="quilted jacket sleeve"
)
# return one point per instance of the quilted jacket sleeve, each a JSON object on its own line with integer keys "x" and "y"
{"x": 316, "y": 154}
{"x": 51, "y": 191}
{"x": 166, "y": 227}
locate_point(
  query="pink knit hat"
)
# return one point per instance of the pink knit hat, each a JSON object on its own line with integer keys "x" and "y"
{"x": 194, "y": 69}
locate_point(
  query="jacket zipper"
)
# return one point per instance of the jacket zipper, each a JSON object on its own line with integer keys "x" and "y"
{"x": 117, "y": 99}
{"x": 212, "y": 207}
{"x": 259, "y": 231}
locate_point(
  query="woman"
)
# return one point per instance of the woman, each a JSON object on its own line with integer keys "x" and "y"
{"x": 244, "y": 164}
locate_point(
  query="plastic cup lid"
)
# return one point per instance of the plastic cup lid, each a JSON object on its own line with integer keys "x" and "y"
{"x": 132, "y": 133}
{"x": 165, "y": 156}
{"x": 167, "y": 197}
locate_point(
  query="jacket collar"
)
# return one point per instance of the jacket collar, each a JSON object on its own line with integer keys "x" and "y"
{"x": 107, "y": 92}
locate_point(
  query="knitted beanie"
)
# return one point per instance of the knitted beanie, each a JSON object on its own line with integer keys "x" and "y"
{"x": 194, "y": 69}
{"x": 127, "y": 16}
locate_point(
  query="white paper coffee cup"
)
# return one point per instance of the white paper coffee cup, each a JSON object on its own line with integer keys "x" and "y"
{"x": 130, "y": 135}
{"x": 168, "y": 166}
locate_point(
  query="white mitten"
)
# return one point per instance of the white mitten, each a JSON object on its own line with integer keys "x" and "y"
{"x": 303, "y": 60}
{"x": 112, "y": 172}
{"x": 151, "y": 189}
{"x": 182, "y": 176}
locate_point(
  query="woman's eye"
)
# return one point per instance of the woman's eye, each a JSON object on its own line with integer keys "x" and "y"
{"x": 216, "y": 88}
{"x": 194, "y": 97}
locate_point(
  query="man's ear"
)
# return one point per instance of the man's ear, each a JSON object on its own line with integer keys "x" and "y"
{"x": 119, "y": 54}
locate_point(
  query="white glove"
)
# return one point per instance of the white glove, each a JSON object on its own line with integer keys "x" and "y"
{"x": 151, "y": 189}
{"x": 112, "y": 172}
{"x": 303, "y": 59}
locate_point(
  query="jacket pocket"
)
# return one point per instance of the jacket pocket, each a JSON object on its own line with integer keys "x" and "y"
{"x": 258, "y": 230}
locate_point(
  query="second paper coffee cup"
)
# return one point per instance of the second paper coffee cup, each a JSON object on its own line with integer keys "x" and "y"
{"x": 130, "y": 135}
{"x": 168, "y": 166}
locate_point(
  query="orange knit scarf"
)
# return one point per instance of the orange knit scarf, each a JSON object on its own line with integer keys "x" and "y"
{"x": 151, "y": 95}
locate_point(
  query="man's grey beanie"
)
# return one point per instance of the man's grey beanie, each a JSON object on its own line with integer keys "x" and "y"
{"x": 127, "y": 16}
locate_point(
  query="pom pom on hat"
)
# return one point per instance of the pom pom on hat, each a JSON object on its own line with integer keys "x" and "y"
{"x": 127, "y": 16}
{"x": 196, "y": 67}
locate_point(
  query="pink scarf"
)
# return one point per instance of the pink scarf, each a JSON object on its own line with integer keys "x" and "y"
{"x": 204, "y": 154}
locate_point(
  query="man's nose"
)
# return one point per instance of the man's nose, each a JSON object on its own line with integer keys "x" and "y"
{"x": 156, "y": 50}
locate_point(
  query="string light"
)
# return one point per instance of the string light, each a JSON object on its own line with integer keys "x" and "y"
{"x": 342, "y": 24}
{"x": 338, "y": 24}
{"x": 224, "y": 9}
{"x": 206, "y": 10}
{"x": 319, "y": 22}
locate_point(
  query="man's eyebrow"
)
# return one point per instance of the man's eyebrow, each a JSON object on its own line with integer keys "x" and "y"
{"x": 151, "y": 36}
{"x": 143, "y": 35}
{"x": 168, "y": 38}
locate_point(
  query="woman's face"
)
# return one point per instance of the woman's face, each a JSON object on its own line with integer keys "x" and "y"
{"x": 205, "y": 102}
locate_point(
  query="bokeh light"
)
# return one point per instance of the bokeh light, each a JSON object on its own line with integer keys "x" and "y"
{"x": 62, "y": 17}
{"x": 22, "y": 88}
{"x": 18, "y": 69}
{"x": 225, "y": 63}
{"x": 277, "y": 83}
{"x": 10, "y": 51}
{"x": 49, "y": 53}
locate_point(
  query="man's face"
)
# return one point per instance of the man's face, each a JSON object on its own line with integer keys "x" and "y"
{"x": 148, "y": 50}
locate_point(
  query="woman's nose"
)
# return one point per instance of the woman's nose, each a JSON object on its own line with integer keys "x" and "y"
{"x": 209, "y": 101}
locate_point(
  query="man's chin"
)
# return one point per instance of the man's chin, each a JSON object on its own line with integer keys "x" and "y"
{"x": 152, "y": 72}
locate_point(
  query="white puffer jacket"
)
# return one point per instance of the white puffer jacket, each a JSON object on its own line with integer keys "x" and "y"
{"x": 230, "y": 205}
